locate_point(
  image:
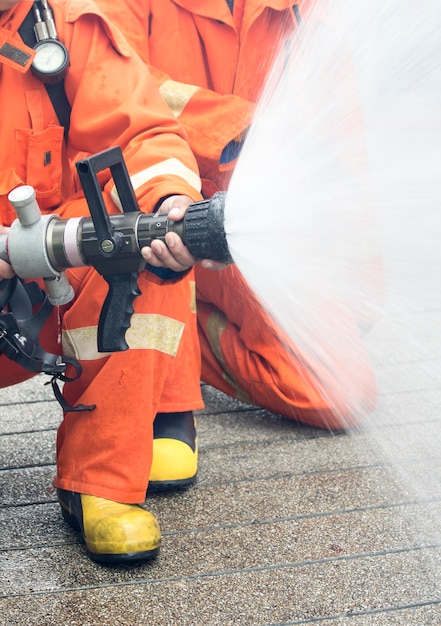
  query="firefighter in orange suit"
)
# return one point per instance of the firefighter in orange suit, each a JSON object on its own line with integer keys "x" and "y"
{"x": 210, "y": 60}
{"x": 104, "y": 455}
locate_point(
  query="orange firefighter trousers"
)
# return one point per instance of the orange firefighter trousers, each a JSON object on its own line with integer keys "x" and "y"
{"x": 107, "y": 451}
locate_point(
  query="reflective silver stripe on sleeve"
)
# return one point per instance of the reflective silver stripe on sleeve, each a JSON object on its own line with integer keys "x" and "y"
{"x": 168, "y": 167}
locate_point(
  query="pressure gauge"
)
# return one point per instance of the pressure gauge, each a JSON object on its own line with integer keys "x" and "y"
{"x": 51, "y": 61}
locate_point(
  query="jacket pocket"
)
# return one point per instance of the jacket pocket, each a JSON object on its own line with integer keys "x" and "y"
{"x": 39, "y": 163}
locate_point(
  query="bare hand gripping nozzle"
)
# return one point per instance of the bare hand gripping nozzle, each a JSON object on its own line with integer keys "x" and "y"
{"x": 43, "y": 246}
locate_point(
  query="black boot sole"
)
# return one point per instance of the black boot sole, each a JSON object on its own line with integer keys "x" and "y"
{"x": 162, "y": 486}
{"x": 123, "y": 559}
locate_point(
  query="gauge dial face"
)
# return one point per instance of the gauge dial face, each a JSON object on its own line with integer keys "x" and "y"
{"x": 50, "y": 57}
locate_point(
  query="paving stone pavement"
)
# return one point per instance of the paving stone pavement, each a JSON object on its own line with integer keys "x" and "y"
{"x": 286, "y": 524}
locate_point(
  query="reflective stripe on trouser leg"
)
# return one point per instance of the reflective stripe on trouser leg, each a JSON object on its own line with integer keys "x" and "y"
{"x": 107, "y": 452}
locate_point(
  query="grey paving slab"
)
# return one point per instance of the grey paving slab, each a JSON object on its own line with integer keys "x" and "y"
{"x": 33, "y": 525}
{"x": 407, "y": 407}
{"x": 416, "y": 615}
{"x": 40, "y": 525}
{"x": 22, "y": 486}
{"x": 236, "y": 459}
{"x": 238, "y": 501}
{"x": 207, "y": 551}
{"x": 30, "y": 417}
{"x": 281, "y": 593}
{"x": 407, "y": 337}
{"x": 27, "y": 449}
{"x": 31, "y": 391}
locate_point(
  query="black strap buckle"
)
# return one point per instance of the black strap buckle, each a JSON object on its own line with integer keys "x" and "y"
{"x": 19, "y": 332}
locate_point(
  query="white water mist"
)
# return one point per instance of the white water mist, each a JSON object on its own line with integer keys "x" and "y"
{"x": 334, "y": 209}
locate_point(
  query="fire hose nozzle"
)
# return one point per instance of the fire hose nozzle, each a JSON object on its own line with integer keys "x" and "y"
{"x": 43, "y": 246}
{"x": 201, "y": 229}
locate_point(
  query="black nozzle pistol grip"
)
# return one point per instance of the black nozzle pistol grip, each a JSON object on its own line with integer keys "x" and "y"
{"x": 112, "y": 252}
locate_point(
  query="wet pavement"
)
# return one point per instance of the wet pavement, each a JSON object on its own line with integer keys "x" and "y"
{"x": 286, "y": 524}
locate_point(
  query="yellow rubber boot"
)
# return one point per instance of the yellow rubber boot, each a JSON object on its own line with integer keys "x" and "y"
{"x": 175, "y": 452}
{"x": 113, "y": 532}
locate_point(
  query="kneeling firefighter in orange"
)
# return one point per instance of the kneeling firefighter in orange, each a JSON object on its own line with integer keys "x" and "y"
{"x": 210, "y": 60}
{"x": 104, "y": 443}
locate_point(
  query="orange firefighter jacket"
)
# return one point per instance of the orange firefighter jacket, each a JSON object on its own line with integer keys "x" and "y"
{"x": 207, "y": 67}
{"x": 105, "y": 452}
{"x": 28, "y": 125}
